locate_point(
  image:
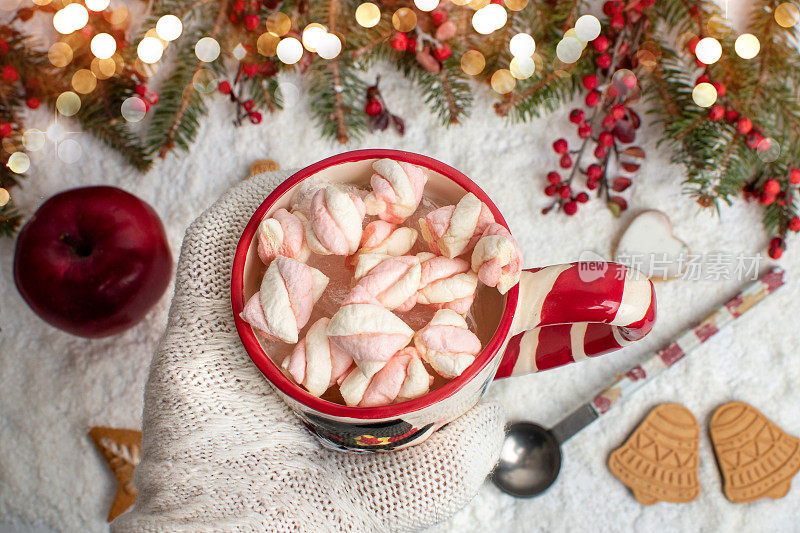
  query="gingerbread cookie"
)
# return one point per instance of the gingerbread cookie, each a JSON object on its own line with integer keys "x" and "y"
{"x": 121, "y": 448}
{"x": 263, "y": 165}
{"x": 757, "y": 459}
{"x": 659, "y": 462}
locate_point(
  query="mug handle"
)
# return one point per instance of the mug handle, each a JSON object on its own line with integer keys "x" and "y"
{"x": 570, "y": 312}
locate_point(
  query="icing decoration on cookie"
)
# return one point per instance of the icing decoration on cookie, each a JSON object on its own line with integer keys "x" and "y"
{"x": 396, "y": 190}
{"x": 316, "y": 363}
{"x": 283, "y": 305}
{"x": 335, "y": 223}
{"x": 453, "y": 230}
{"x": 403, "y": 377}
{"x": 447, "y": 344}
{"x": 446, "y": 283}
{"x": 122, "y": 450}
{"x": 282, "y": 234}
{"x": 497, "y": 258}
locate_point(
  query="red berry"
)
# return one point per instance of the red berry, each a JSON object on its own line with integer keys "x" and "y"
{"x": 565, "y": 191}
{"x": 767, "y": 199}
{"x": 772, "y": 187}
{"x": 584, "y": 130}
{"x": 601, "y": 44}
{"x": 33, "y": 103}
{"x": 238, "y": 6}
{"x": 251, "y": 22}
{"x": 744, "y": 125}
{"x": 620, "y": 202}
{"x": 576, "y": 116}
{"x": 593, "y": 172}
{"x": 593, "y": 98}
{"x": 250, "y": 69}
{"x": 794, "y": 176}
{"x": 554, "y": 177}
{"x": 776, "y": 242}
{"x": 5, "y": 129}
{"x": 582, "y": 197}
{"x": 604, "y": 60}
{"x": 590, "y": 81}
{"x": 224, "y": 87}
{"x": 442, "y": 52}
{"x": 608, "y": 122}
{"x": 752, "y": 139}
{"x": 565, "y": 161}
{"x": 606, "y": 138}
{"x": 399, "y": 41}
{"x": 591, "y": 185}
{"x": 775, "y": 253}
{"x": 702, "y": 79}
{"x": 141, "y": 90}
{"x": 794, "y": 224}
{"x": 600, "y": 151}
{"x": 255, "y": 117}
{"x": 550, "y": 190}
{"x": 439, "y": 17}
{"x": 618, "y": 111}
{"x": 570, "y": 208}
{"x": 411, "y": 47}
{"x": 373, "y": 107}
{"x": 621, "y": 183}
{"x": 617, "y": 21}
{"x": 720, "y": 87}
{"x": 716, "y": 112}
{"x": 560, "y": 146}
{"x": 10, "y": 74}
{"x": 692, "y": 44}
{"x": 612, "y": 7}
{"x": 248, "y": 105}
{"x": 3, "y": 46}
{"x": 233, "y": 17}
{"x": 731, "y": 115}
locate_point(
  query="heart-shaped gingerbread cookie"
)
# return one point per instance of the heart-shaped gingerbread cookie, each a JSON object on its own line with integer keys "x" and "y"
{"x": 649, "y": 246}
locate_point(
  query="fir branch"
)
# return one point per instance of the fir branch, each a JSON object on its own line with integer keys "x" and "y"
{"x": 10, "y": 220}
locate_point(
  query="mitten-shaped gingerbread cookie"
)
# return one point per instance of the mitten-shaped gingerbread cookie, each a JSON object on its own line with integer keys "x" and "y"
{"x": 453, "y": 230}
{"x": 402, "y": 378}
{"x": 316, "y": 363}
{"x": 447, "y": 344}
{"x": 396, "y": 190}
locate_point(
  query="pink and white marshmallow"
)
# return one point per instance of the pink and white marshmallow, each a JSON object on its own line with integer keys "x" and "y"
{"x": 453, "y": 230}
{"x": 316, "y": 363}
{"x": 282, "y": 234}
{"x": 396, "y": 190}
{"x": 283, "y": 305}
{"x": 497, "y": 258}
{"x": 368, "y": 331}
{"x": 393, "y": 281}
{"x": 447, "y": 344}
{"x": 335, "y": 223}
{"x": 446, "y": 283}
{"x": 402, "y": 378}
{"x": 382, "y": 237}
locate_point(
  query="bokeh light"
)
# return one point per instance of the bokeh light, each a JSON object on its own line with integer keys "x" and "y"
{"x": 267, "y": 44}
{"x": 368, "y": 15}
{"x": 169, "y": 27}
{"x": 19, "y": 162}
{"x": 477, "y": 4}
{"x": 569, "y": 49}
{"x": 522, "y": 67}
{"x": 83, "y": 81}
{"x": 288, "y": 92}
{"x": 704, "y": 94}
{"x": 119, "y": 18}
{"x": 205, "y": 81}
{"x": 516, "y": 5}
{"x": 747, "y": 46}
{"x": 404, "y": 19}
{"x": 312, "y": 34}
{"x": 97, "y": 5}
{"x": 289, "y": 50}
{"x": 68, "y": 103}
{"x": 55, "y": 132}
{"x": 708, "y": 50}
{"x": 72, "y": 18}
{"x": 103, "y": 46}
{"x": 279, "y": 24}
{"x": 787, "y": 15}
{"x": 69, "y": 151}
{"x": 472, "y": 62}
{"x": 5, "y": 197}
{"x": 33, "y": 139}
{"x": 426, "y": 5}
{"x": 149, "y": 50}
{"x": 60, "y": 54}
{"x": 133, "y": 109}
{"x": 489, "y": 18}
{"x": 103, "y": 68}
{"x": 239, "y": 52}
{"x": 207, "y": 49}
{"x": 502, "y": 81}
{"x": 768, "y": 150}
{"x": 329, "y": 46}
{"x": 522, "y": 45}
{"x": 587, "y": 28}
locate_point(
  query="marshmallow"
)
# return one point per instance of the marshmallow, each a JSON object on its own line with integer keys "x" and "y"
{"x": 384, "y": 238}
{"x": 368, "y": 331}
{"x": 447, "y": 344}
{"x": 282, "y": 234}
{"x": 396, "y": 190}
{"x": 497, "y": 258}
{"x": 334, "y": 226}
{"x": 283, "y": 305}
{"x": 446, "y": 283}
{"x": 316, "y": 363}
{"x": 393, "y": 281}
{"x": 402, "y": 378}
{"x": 453, "y": 230}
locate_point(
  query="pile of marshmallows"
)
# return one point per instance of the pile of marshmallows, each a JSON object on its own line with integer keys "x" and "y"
{"x": 364, "y": 346}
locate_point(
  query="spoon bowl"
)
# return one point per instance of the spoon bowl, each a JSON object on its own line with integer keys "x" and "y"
{"x": 530, "y": 460}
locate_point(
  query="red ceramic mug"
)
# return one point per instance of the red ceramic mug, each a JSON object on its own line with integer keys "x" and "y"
{"x": 556, "y": 315}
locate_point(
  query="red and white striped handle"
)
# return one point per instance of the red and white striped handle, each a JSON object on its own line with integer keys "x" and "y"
{"x": 570, "y": 312}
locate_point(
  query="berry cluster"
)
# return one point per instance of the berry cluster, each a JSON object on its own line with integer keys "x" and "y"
{"x": 429, "y": 42}
{"x": 10, "y": 75}
{"x": 246, "y": 13}
{"x": 379, "y": 116}
{"x": 244, "y": 107}
{"x": 606, "y": 122}
{"x": 150, "y": 98}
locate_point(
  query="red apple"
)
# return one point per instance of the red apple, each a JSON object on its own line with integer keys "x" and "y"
{"x": 92, "y": 261}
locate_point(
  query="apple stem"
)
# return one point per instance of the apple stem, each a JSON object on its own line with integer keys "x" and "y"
{"x": 81, "y": 248}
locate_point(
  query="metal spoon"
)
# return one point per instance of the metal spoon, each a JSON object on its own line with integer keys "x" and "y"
{"x": 531, "y": 455}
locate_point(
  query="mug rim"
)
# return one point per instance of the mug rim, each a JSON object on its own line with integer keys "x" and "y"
{"x": 271, "y": 371}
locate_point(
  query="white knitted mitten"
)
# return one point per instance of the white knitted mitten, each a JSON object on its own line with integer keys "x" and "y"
{"x": 221, "y": 451}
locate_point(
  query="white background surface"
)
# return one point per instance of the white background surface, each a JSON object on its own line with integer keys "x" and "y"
{"x": 55, "y": 386}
